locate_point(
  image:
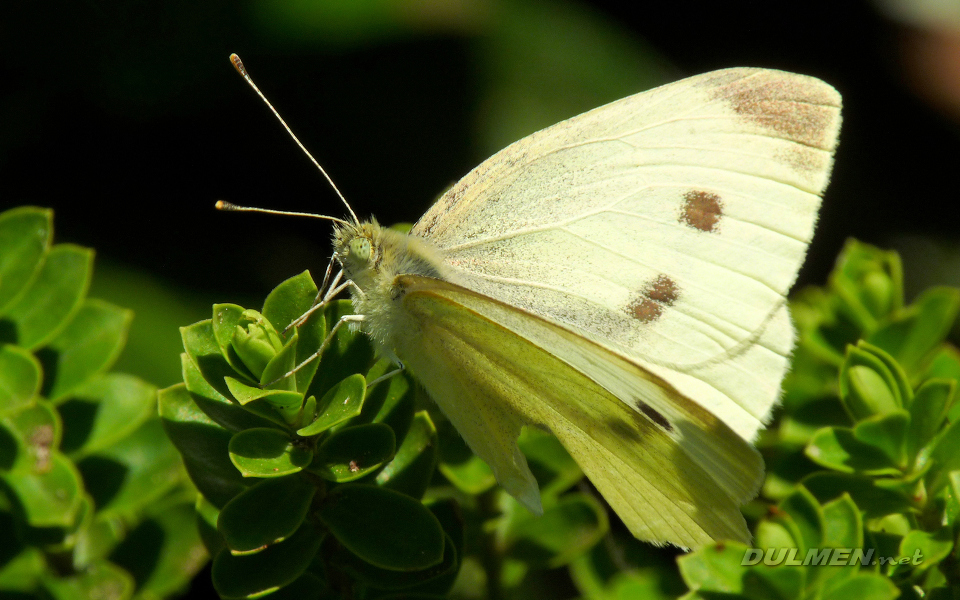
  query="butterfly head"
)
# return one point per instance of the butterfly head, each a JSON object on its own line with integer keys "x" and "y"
{"x": 358, "y": 248}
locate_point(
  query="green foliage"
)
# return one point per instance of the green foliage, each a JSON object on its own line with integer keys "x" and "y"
{"x": 93, "y": 500}
{"x": 328, "y": 477}
{"x": 864, "y": 461}
{"x": 330, "y": 483}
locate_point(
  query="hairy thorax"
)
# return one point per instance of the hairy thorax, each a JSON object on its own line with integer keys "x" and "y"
{"x": 372, "y": 258}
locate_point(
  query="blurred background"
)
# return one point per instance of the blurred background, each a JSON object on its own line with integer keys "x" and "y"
{"x": 128, "y": 119}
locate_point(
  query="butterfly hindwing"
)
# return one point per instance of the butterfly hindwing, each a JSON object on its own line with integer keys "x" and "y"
{"x": 671, "y": 470}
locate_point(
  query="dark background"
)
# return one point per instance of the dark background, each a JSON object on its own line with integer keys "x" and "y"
{"x": 128, "y": 119}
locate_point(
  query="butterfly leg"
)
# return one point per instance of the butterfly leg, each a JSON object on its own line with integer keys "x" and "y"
{"x": 323, "y": 346}
{"x": 323, "y": 298}
{"x": 385, "y": 376}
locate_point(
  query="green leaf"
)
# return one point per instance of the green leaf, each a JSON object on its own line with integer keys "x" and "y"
{"x": 945, "y": 454}
{"x": 290, "y": 300}
{"x": 714, "y": 568}
{"x": 341, "y": 402}
{"x": 89, "y": 344}
{"x": 49, "y": 495}
{"x": 928, "y": 411}
{"x": 22, "y": 571}
{"x": 391, "y": 400}
{"x": 218, "y": 407}
{"x": 286, "y": 303}
{"x": 280, "y": 406}
{"x": 256, "y": 342}
{"x": 54, "y": 295}
{"x": 918, "y": 329}
{"x": 387, "y": 579}
{"x": 252, "y": 575}
{"x": 866, "y": 586}
{"x": 353, "y": 452}
{"x": 886, "y": 433}
{"x": 267, "y": 452}
{"x": 842, "y": 525}
{"x": 269, "y": 512}
{"x": 306, "y": 587}
{"x": 869, "y": 281}
{"x": 25, "y": 235}
{"x": 412, "y": 468}
{"x": 838, "y": 448}
{"x": 101, "y": 580}
{"x": 927, "y": 549}
{"x": 275, "y": 373}
{"x": 385, "y": 528}
{"x": 808, "y": 516}
{"x": 900, "y": 382}
{"x": 19, "y": 378}
{"x": 36, "y": 430}
{"x": 203, "y": 445}
{"x": 867, "y": 387}
{"x": 226, "y": 319}
{"x": 873, "y": 500}
{"x": 104, "y": 410}
{"x": 778, "y": 531}
{"x": 568, "y": 528}
{"x": 776, "y": 583}
{"x": 204, "y": 352}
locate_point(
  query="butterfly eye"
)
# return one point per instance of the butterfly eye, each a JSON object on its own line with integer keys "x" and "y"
{"x": 360, "y": 249}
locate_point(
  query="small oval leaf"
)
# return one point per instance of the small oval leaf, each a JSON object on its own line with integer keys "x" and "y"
{"x": 352, "y": 452}
{"x": 385, "y": 528}
{"x": 265, "y": 452}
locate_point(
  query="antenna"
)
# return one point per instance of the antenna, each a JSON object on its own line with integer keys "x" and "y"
{"x": 230, "y": 207}
{"x": 238, "y": 65}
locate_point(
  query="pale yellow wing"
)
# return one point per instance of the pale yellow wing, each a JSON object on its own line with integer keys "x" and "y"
{"x": 671, "y": 470}
{"x": 667, "y": 226}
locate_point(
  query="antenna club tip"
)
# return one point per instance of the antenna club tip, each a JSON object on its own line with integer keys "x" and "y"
{"x": 222, "y": 205}
{"x": 238, "y": 64}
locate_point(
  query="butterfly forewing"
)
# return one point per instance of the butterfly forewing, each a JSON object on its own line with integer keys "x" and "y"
{"x": 667, "y": 226}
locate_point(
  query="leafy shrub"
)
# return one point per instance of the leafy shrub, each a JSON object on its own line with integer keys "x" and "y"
{"x": 323, "y": 485}
{"x": 93, "y": 498}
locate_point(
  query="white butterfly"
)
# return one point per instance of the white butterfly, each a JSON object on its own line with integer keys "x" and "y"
{"x": 619, "y": 279}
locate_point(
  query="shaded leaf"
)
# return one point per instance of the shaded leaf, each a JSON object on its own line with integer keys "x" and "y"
{"x": 352, "y": 452}
{"x": 249, "y": 575}
{"x": 89, "y": 344}
{"x": 56, "y": 292}
{"x": 203, "y": 444}
{"x": 267, "y": 452}
{"x": 384, "y": 528}
{"x": 266, "y": 513}
{"x": 25, "y": 235}
{"x": 19, "y": 378}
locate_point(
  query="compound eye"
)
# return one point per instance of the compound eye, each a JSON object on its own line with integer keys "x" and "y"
{"x": 360, "y": 249}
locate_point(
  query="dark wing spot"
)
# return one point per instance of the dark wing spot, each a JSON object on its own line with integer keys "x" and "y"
{"x": 654, "y": 416}
{"x": 701, "y": 210}
{"x": 650, "y": 302}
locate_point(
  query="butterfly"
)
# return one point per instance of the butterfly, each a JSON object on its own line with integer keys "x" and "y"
{"x": 618, "y": 279}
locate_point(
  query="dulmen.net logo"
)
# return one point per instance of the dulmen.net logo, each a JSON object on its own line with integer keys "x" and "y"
{"x": 836, "y": 557}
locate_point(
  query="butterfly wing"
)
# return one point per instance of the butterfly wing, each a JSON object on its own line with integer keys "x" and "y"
{"x": 672, "y": 471}
{"x": 667, "y": 227}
